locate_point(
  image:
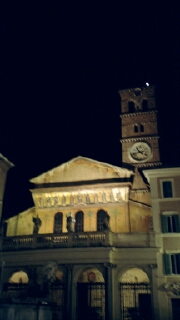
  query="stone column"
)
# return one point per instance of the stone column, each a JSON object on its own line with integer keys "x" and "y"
{"x": 68, "y": 293}
{"x": 108, "y": 291}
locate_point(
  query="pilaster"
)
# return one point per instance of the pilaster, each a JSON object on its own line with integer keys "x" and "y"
{"x": 109, "y": 308}
{"x": 68, "y": 293}
{"x": 154, "y": 292}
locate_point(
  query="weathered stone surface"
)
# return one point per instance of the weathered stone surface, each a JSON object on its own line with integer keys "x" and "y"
{"x": 82, "y": 169}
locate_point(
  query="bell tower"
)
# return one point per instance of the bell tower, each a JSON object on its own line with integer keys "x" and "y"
{"x": 140, "y": 145}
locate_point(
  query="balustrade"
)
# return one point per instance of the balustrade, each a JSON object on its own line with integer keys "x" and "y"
{"x": 52, "y": 240}
{"x": 101, "y": 238}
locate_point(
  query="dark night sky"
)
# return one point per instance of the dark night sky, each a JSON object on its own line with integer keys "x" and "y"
{"x": 63, "y": 63}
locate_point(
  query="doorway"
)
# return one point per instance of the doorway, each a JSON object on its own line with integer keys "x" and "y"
{"x": 135, "y": 295}
{"x": 91, "y": 296}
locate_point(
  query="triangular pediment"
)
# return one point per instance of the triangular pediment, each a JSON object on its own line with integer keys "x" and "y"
{"x": 81, "y": 169}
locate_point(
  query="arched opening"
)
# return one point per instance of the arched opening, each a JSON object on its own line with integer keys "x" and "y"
{"x": 135, "y": 295}
{"x": 58, "y": 222}
{"x": 57, "y": 295}
{"x": 19, "y": 277}
{"x": 136, "y": 128}
{"x": 79, "y": 226}
{"x": 91, "y": 295}
{"x": 17, "y": 285}
{"x": 51, "y": 284}
{"x": 102, "y": 220}
{"x": 142, "y": 127}
{"x": 145, "y": 105}
{"x": 131, "y": 106}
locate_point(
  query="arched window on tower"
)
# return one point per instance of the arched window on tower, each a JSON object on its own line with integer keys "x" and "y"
{"x": 58, "y": 222}
{"x": 145, "y": 105}
{"x": 79, "y": 226}
{"x": 141, "y": 127}
{"x": 100, "y": 220}
{"x": 131, "y": 106}
{"x": 135, "y": 128}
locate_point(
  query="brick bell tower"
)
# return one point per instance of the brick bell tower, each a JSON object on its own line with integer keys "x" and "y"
{"x": 140, "y": 146}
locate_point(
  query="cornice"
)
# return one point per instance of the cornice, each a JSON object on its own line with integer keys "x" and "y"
{"x": 139, "y": 191}
{"x": 137, "y": 113}
{"x": 162, "y": 172}
{"x": 139, "y": 138}
{"x": 147, "y": 165}
{"x": 146, "y": 88}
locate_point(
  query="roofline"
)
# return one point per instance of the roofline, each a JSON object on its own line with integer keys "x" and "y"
{"x": 161, "y": 172}
{"x": 6, "y": 161}
{"x": 116, "y": 168}
{"x": 137, "y": 88}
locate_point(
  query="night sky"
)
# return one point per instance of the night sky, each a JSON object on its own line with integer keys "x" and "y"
{"x": 62, "y": 64}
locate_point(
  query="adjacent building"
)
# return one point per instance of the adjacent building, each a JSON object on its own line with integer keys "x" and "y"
{"x": 5, "y": 165}
{"x": 165, "y": 195}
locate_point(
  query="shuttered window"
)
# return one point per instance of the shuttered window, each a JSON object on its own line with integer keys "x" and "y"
{"x": 170, "y": 223}
{"x": 167, "y": 189}
{"x": 172, "y": 263}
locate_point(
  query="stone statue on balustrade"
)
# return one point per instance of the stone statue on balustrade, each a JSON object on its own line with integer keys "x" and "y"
{"x": 37, "y": 223}
{"x": 70, "y": 223}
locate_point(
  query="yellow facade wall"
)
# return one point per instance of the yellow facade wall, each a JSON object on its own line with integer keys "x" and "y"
{"x": 140, "y": 218}
{"x": 22, "y": 224}
{"x": 120, "y": 220}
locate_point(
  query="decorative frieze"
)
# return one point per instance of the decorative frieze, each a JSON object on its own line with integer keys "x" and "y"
{"x": 85, "y": 197}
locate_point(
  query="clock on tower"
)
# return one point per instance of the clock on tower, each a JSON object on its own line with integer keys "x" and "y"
{"x": 140, "y": 145}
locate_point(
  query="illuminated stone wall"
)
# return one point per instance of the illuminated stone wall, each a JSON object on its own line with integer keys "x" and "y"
{"x": 124, "y": 217}
{"x": 63, "y": 190}
{"x": 117, "y": 208}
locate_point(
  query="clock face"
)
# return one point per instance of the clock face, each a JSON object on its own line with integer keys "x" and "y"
{"x": 140, "y": 152}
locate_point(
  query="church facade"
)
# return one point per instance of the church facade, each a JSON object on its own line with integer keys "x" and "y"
{"x": 90, "y": 247}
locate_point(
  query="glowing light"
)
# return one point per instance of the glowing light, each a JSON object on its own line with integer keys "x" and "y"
{"x": 147, "y": 84}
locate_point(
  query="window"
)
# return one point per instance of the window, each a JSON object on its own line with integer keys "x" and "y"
{"x": 145, "y": 105}
{"x": 167, "y": 189}
{"x": 58, "y": 222}
{"x": 131, "y": 106}
{"x": 79, "y": 221}
{"x": 136, "y": 128}
{"x": 170, "y": 222}
{"x": 172, "y": 263}
{"x": 141, "y": 127}
{"x": 100, "y": 220}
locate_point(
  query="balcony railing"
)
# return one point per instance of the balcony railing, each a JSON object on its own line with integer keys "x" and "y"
{"x": 85, "y": 239}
